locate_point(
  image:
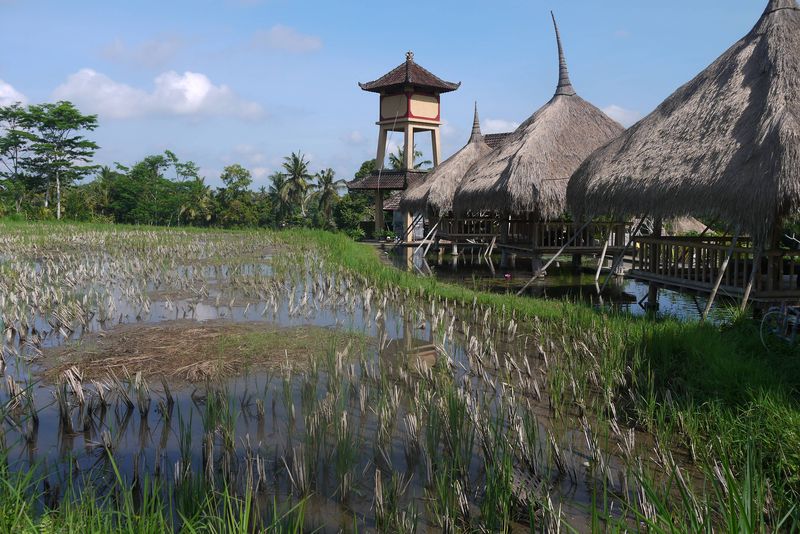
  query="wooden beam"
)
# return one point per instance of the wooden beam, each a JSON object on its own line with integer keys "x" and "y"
{"x": 554, "y": 258}
{"x": 720, "y": 275}
{"x": 427, "y": 236}
{"x": 408, "y": 230}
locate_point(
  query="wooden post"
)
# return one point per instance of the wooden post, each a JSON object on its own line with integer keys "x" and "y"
{"x": 751, "y": 281}
{"x": 621, "y": 257}
{"x": 427, "y": 237}
{"x": 378, "y": 212}
{"x": 720, "y": 275}
{"x": 504, "y": 222}
{"x": 553, "y": 259}
{"x": 602, "y": 258}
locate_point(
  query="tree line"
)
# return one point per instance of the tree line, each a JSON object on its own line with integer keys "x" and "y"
{"x": 44, "y": 153}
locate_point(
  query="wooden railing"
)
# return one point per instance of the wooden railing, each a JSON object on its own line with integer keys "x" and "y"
{"x": 695, "y": 262}
{"x": 469, "y": 227}
{"x": 554, "y": 234}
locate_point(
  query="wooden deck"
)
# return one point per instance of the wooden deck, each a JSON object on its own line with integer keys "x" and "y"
{"x": 695, "y": 263}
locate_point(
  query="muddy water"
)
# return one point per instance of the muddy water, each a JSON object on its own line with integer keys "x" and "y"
{"x": 267, "y": 413}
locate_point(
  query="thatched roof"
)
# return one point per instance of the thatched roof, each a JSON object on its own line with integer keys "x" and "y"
{"x": 435, "y": 196}
{"x": 529, "y": 172}
{"x": 725, "y": 145}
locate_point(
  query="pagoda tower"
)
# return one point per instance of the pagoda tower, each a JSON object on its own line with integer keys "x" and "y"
{"x": 410, "y": 103}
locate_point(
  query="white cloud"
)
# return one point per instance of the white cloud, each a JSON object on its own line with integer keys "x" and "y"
{"x": 354, "y": 138}
{"x": 285, "y": 38}
{"x": 498, "y": 126}
{"x": 447, "y": 129}
{"x": 625, "y": 117}
{"x": 259, "y": 173}
{"x": 247, "y": 154}
{"x": 152, "y": 53}
{"x": 9, "y": 95}
{"x": 187, "y": 94}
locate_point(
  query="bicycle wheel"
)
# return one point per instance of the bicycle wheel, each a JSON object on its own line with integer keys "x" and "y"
{"x": 772, "y": 330}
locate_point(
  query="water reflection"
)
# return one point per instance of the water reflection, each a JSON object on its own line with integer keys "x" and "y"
{"x": 562, "y": 282}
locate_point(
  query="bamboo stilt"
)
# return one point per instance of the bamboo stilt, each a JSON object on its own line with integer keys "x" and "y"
{"x": 720, "y": 276}
{"x": 749, "y": 288}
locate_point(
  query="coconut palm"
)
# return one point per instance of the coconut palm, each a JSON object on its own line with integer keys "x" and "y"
{"x": 326, "y": 191}
{"x": 198, "y": 203}
{"x": 279, "y": 196}
{"x": 397, "y": 161}
{"x": 298, "y": 179}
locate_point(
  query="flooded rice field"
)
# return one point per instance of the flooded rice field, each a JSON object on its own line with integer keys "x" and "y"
{"x": 188, "y": 363}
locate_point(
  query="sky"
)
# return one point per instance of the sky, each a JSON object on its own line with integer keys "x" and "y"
{"x": 250, "y": 81}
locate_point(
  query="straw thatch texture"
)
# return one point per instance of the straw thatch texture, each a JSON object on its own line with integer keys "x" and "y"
{"x": 435, "y": 197}
{"x": 725, "y": 145}
{"x": 529, "y": 173}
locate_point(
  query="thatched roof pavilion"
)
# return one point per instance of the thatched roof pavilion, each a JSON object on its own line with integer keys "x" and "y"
{"x": 435, "y": 196}
{"x": 529, "y": 172}
{"x": 725, "y": 145}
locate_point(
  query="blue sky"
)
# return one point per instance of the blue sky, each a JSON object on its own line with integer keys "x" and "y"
{"x": 249, "y": 81}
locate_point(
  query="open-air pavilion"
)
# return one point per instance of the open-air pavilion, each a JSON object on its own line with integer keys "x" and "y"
{"x": 725, "y": 147}
{"x": 434, "y": 198}
{"x": 522, "y": 184}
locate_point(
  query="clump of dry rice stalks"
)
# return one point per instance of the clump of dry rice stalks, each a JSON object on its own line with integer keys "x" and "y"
{"x": 194, "y": 352}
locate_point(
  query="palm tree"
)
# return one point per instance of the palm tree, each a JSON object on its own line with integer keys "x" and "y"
{"x": 198, "y": 203}
{"x": 280, "y": 197}
{"x": 326, "y": 191}
{"x": 397, "y": 161}
{"x": 298, "y": 179}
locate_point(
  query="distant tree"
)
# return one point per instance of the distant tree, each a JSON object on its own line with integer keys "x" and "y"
{"x": 326, "y": 194}
{"x": 197, "y": 207}
{"x": 14, "y": 147}
{"x": 367, "y": 168}
{"x": 298, "y": 178}
{"x": 237, "y": 206}
{"x": 397, "y": 160}
{"x": 279, "y": 196}
{"x": 237, "y": 180}
{"x": 59, "y": 149}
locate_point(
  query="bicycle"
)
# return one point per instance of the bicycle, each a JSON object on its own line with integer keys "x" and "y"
{"x": 780, "y": 327}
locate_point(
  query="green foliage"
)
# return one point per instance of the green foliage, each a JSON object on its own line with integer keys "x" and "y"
{"x": 43, "y": 154}
{"x": 397, "y": 160}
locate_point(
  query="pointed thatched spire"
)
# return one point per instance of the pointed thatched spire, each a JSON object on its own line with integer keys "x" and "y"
{"x": 775, "y": 5}
{"x": 564, "y": 84}
{"x": 435, "y": 196}
{"x": 476, "y": 127}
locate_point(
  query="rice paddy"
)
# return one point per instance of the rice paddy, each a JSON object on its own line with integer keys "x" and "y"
{"x": 161, "y": 379}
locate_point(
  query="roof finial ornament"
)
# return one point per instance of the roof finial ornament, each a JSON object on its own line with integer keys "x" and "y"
{"x": 476, "y": 126}
{"x": 564, "y": 84}
{"x": 409, "y": 56}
